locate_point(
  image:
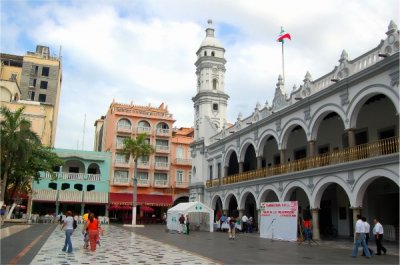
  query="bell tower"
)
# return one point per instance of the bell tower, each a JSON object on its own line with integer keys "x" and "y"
{"x": 210, "y": 104}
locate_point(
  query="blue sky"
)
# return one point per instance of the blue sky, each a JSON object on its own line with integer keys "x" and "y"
{"x": 144, "y": 51}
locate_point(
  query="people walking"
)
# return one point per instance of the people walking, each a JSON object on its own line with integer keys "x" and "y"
{"x": 378, "y": 234}
{"x": 307, "y": 226}
{"x": 68, "y": 224}
{"x": 359, "y": 238}
{"x": 367, "y": 228}
{"x": 187, "y": 224}
{"x": 182, "y": 223}
{"x": 232, "y": 228}
{"x": 244, "y": 223}
{"x": 92, "y": 226}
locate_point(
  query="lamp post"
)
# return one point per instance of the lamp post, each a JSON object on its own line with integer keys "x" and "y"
{"x": 134, "y": 202}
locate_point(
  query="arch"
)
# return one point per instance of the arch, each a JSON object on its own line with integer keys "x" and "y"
{"x": 363, "y": 95}
{"x": 265, "y": 191}
{"x": 93, "y": 168}
{"x": 287, "y": 128}
{"x": 243, "y": 197}
{"x": 228, "y": 155}
{"x": 243, "y": 149}
{"x": 73, "y": 166}
{"x": 263, "y": 138}
{"x": 322, "y": 184}
{"x": 225, "y": 202}
{"x": 291, "y": 186}
{"x": 320, "y": 114}
{"x": 124, "y": 122}
{"x": 162, "y": 125}
{"x": 362, "y": 183}
{"x": 144, "y": 123}
{"x": 181, "y": 198}
{"x": 214, "y": 200}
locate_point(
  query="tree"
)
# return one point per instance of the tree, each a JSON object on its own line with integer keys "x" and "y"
{"x": 136, "y": 147}
{"x": 22, "y": 154}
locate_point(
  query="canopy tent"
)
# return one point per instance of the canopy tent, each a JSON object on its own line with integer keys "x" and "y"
{"x": 199, "y": 215}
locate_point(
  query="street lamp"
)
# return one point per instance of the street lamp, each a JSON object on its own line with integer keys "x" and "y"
{"x": 134, "y": 180}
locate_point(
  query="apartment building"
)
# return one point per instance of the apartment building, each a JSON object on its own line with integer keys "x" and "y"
{"x": 163, "y": 177}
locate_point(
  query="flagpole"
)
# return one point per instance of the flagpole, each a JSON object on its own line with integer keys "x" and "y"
{"x": 283, "y": 63}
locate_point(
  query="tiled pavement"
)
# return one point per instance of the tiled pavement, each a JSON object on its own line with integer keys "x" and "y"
{"x": 118, "y": 246}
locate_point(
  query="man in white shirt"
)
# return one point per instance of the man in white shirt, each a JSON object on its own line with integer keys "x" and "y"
{"x": 244, "y": 223}
{"x": 359, "y": 238}
{"x": 378, "y": 234}
{"x": 367, "y": 229}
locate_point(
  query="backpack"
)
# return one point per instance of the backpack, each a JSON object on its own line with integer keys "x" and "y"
{"x": 75, "y": 224}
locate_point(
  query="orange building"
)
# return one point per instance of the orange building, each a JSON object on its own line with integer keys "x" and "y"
{"x": 163, "y": 177}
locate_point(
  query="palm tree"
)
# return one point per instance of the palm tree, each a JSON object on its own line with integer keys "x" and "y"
{"x": 136, "y": 148}
{"x": 17, "y": 142}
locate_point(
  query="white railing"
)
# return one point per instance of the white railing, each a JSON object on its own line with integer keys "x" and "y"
{"x": 120, "y": 180}
{"x": 183, "y": 161}
{"x": 121, "y": 162}
{"x": 162, "y": 148}
{"x": 143, "y": 164}
{"x": 161, "y": 131}
{"x": 143, "y": 129}
{"x": 160, "y": 182}
{"x": 74, "y": 176}
{"x": 143, "y": 182}
{"x": 119, "y": 145}
{"x": 182, "y": 184}
{"x": 123, "y": 128}
{"x": 162, "y": 165}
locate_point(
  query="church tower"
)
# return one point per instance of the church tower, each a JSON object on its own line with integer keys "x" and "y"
{"x": 210, "y": 104}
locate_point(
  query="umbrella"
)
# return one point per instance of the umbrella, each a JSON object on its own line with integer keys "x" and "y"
{"x": 147, "y": 209}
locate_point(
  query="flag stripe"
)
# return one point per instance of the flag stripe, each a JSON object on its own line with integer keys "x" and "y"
{"x": 284, "y": 36}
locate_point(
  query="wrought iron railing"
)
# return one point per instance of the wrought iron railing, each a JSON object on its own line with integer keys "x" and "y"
{"x": 363, "y": 151}
{"x": 73, "y": 176}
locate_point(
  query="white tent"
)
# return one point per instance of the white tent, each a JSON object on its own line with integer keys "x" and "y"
{"x": 200, "y": 216}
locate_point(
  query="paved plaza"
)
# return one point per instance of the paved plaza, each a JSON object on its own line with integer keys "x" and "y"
{"x": 154, "y": 245}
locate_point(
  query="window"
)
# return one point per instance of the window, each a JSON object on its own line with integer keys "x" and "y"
{"x": 31, "y": 95}
{"x": 124, "y": 123}
{"x": 160, "y": 176}
{"x": 45, "y": 71}
{"x": 215, "y": 82}
{"x": 56, "y": 169}
{"x": 180, "y": 152}
{"x": 53, "y": 186}
{"x": 73, "y": 170}
{"x": 42, "y": 97}
{"x": 190, "y": 176}
{"x": 212, "y": 53}
{"x": 65, "y": 186}
{"x": 179, "y": 176}
{"x": 211, "y": 172}
{"x": 215, "y": 106}
{"x": 43, "y": 84}
{"x": 120, "y": 174}
{"x": 34, "y": 69}
{"x": 205, "y": 53}
{"x": 121, "y": 159}
{"x": 143, "y": 176}
{"x": 90, "y": 187}
{"x": 32, "y": 82}
{"x": 78, "y": 187}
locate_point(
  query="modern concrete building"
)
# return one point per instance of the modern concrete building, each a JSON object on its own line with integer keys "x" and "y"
{"x": 332, "y": 144}
{"x": 35, "y": 77}
{"x": 82, "y": 183}
{"x": 163, "y": 177}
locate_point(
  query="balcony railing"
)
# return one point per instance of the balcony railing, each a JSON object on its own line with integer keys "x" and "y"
{"x": 122, "y": 128}
{"x": 162, "y": 165}
{"x": 143, "y": 164}
{"x": 119, "y": 145}
{"x": 183, "y": 161}
{"x": 74, "y": 176}
{"x": 359, "y": 152}
{"x": 182, "y": 184}
{"x": 163, "y": 132}
{"x": 160, "y": 183}
{"x": 121, "y": 163}
{"x": 143, "y": 129}
{"x": 143, "y": 182}
{"x": 121, "y": 180}
{"x": 162, "y": 148}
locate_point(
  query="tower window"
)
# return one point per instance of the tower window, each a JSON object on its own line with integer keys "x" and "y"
{"x": 42, "y": 97}
{"x": 212, "y": 53}
{"x": 215, "y": 106}
{"x": 214, "y": 83}
{"x": 45, "y": 71}
{"x": 43, "y": 84}
{"x": 205, "y": 53}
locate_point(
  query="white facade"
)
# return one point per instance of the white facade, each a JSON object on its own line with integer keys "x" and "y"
{"x": 332, "y": 145}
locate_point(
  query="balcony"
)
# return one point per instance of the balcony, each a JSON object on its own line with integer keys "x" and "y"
{"x": 182, "y": 184}
{"x": 124, "y": 129}
{"x": 160, "y": 183}
{"x": 74, "y": 176}
{"x": 162, "y": 165}
{"x": 163, "y": 132}
{"x": 143, "y": 182}
{"x": 121, "y": 163}
{"x": 359, "y": 152}
{"x": 162, "y": 149}
{"x": 121, "y": 181}
{"x": 183, "y": 161}
{"x": 143, "y": 164}
{"x": 142, "y": 129}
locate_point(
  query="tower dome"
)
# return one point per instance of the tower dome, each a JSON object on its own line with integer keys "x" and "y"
{"x": 210, "y": 39}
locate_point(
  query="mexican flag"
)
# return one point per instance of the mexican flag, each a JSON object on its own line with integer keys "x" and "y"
{"x": 283, "y": 35}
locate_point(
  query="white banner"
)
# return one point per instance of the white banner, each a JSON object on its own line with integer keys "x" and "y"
{"x": 279, "y": 220}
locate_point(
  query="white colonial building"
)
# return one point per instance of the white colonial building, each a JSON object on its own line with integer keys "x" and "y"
{"x": 332, "y": 144}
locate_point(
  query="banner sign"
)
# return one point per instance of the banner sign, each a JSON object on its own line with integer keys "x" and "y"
{"x": 279, "y": 220}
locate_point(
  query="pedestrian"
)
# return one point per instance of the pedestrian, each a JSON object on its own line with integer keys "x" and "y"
{"x": 244, "y": 223}
{"x": 378, "y": 234}
{"x": 92, "y": 226}
{"x": 164, "y": 218}
{"x": 307, "y": 226}
{"x": 359, "y": 238}
{"x": 250, "y": 225}
{"x": 232, "y": 228}
{"x": 221, "y": 221}
{"x": 2, "y": 214}
{"x": 187, "y": 224}
{"x": 182, "y": 224}
{"x": 367, "y": 230}
{"x": 68, "y": 224}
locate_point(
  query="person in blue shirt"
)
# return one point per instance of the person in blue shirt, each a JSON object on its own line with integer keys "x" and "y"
{"x": 221, "y": 221}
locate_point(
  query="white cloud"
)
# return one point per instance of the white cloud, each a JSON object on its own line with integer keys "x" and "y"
{"x": 144, "y": 51}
